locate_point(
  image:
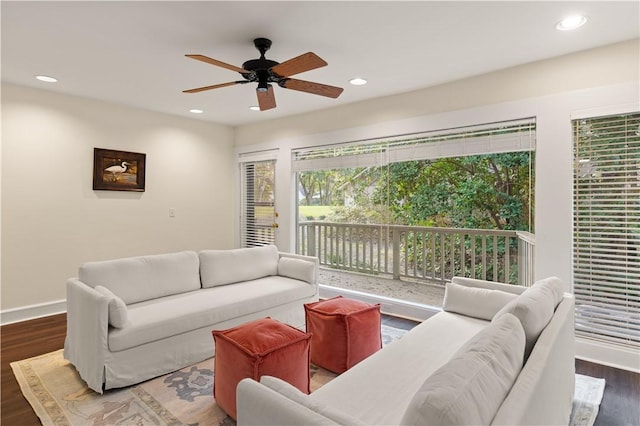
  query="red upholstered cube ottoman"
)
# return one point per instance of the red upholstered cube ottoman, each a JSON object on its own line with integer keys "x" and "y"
{"x": 343, "y": 332}
{"x": 258, "y": 348}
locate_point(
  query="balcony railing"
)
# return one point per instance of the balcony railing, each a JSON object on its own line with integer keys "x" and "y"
{"x": 423, "y": 253}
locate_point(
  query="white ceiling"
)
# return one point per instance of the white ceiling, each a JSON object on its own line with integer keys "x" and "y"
{"x": 132, "y": 53}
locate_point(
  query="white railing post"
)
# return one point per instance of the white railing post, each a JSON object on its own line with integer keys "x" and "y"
{"x": 311, "y": 243}
{"x": 396, "y": 254}
{"x": 526, "y": 261}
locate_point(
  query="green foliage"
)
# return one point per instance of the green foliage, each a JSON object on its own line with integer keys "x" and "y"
{"x": 361, "y": 214}
{"x": 482, "y": 191}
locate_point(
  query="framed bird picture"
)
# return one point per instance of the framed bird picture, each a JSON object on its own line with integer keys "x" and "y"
{"x": 118, "y": 170}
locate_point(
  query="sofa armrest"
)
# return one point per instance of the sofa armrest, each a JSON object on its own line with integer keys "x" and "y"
{"x": 490, "y": 285}
{"x": 86, "y": 342}
{"x": 288, "y": 390}
{"x": 260, "y": 405}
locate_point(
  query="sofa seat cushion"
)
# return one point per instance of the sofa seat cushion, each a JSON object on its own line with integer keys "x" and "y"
{"x": 402, "y": 366}
{"x": 180, "y": 313}
{"x": 469, "y": 389}
{"x": 220, "y": 267}
{"x": 136, "y": 279}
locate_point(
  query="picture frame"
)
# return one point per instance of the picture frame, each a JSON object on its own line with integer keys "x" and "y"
{"x": 118, "y": 170}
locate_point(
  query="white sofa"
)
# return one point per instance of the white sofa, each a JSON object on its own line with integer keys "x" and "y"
{"x": 464, "y": 365}
{"x": 132, "y": 319}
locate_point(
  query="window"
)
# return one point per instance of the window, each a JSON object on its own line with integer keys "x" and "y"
{"x": 606, "y": 228}
{"x": 423, "y": 206}
{"x": 258, "y": 215}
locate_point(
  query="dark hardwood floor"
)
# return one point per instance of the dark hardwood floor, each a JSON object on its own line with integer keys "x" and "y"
{"x": 19, "y": 341}
{"x": 620, "y": 405}
{"x": 621, "y": 401}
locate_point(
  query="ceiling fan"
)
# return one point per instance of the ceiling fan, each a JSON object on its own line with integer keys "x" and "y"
{"x": 265, "y": 71}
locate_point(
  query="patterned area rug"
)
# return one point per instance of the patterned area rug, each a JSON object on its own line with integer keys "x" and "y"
{"x": 185, "y": 397}
{"x": 59, "y": 397}
{"x": 586, "y": 400}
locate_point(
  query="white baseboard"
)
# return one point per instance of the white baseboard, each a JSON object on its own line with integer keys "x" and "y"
{"x": 608, "y": 354}
{"x": 30, "y": 312}
{"x": 388, "y": 305}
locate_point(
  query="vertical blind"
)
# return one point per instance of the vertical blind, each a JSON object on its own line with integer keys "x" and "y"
{"x": 257, "y": 209}
{"x": 606, "y": 228}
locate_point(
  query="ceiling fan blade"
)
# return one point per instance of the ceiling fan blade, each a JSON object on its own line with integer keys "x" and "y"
{"x": 305, "y": 62}
{"x": 311, "y": 87}
{"x": 215, "y": 86}
{"x": 266, "y": 100}
{"x": 217, "y": 63}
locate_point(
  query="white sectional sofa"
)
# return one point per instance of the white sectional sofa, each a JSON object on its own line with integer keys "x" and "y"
{"x": 132, "y": 319}
{"x": 496, "y": 354}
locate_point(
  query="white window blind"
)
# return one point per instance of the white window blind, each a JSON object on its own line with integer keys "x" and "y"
{"x": 493, "y": 138}
{"x": 257, "y": 210}
{"x": 496, "y": 138}
{"x": 606, "y": 228}
{"x": 344, "y": 156}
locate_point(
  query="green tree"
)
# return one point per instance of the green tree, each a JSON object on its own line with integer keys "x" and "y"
{"x": 320, "y": 184}
{"x": 482, "y": 191}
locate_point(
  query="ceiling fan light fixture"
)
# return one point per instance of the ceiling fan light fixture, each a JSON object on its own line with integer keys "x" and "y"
{"x": 571, "y": 23}
{"x": 358, "y": 81}
{"x": 263, "y": 86}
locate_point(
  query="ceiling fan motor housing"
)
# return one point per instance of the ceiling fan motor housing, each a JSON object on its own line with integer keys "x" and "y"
{"x": 260, "y": 68}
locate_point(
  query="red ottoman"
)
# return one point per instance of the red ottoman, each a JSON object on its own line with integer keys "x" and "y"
{"x": 343, "y": 332}
{"x": 258, "y": 348}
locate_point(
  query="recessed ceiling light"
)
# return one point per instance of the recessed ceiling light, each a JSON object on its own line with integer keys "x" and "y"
{"x": 46, "y": 79}
{"x": 196, "y": 111}
{"x": 358, "y": 81}
{"x": 254, "y": 108}
{"x": 571, "y": 22}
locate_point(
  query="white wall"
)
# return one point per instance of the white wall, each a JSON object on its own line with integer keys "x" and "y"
{"x": 52, "y": 219}
{"x": 603, "y": 80}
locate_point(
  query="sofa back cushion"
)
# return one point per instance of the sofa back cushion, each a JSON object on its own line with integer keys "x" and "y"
{"x": 220, "y": 267}
{"x": 534, "y": 308}
{"x": 553, "y": 285}
{"x": 475, "y": 302}
{"x": 136, "y": 279}
{"x": 469, "y": 389}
